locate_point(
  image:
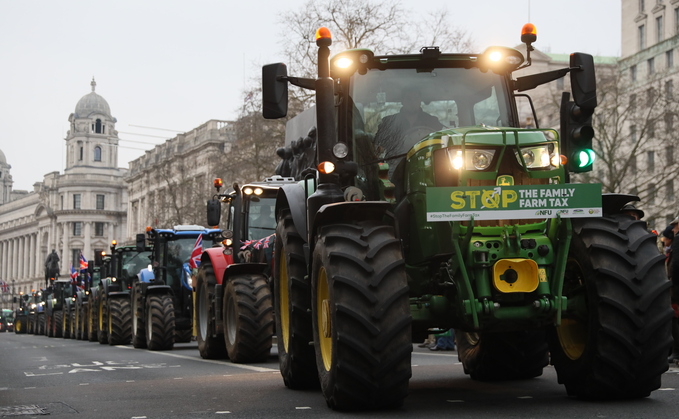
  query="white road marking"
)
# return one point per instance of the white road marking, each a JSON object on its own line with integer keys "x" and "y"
{"x": 303, "y": 407}
{"x": 210, "y": 361}
{"x": 223, "y": 412}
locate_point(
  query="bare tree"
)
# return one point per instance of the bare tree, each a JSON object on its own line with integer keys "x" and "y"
{"x": 635, "y": 141}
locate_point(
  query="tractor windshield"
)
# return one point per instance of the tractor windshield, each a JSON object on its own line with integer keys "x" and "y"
{"x": 261, "y": 221}
{"x": 394, "y": 109}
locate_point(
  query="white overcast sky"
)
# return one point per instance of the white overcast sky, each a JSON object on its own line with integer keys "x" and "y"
{"x": 176, "y": 64}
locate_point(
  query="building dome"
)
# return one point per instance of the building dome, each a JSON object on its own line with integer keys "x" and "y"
{"x": 92, "y": 103}
{"x": 3, "y": 159}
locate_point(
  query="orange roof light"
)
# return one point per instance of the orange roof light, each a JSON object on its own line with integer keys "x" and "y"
{"x": 326, "y": 167}
{"x": 114, "y": 242}
{"x": 529, "y": 33}
{"x": 323, "y": 33}
{"x": 148, "y": 228}
{"x": 218, "y": 183}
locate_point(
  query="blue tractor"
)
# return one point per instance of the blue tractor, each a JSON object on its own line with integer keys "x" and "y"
{"x": 162, "y": 297}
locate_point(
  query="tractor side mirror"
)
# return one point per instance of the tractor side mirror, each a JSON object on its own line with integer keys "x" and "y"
{"x": 583, "y": 81}
{"x": 214, "y": 212}
{"x": 274, "y": 91}
{"x": 140, "y": 242}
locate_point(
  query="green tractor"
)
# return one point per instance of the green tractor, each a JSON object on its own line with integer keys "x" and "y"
{"x": 422, "y": 203}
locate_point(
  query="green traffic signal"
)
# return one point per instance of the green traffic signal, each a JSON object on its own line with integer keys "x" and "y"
{"x": 583, "y": 160}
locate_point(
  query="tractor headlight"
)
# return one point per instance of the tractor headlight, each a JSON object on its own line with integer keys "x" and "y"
{"x": 539, "y": 157}
{"x": 471, "y": 159}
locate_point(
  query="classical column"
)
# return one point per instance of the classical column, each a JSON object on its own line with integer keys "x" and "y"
{"x": 87, "y": 251}
{"x": 65, "y": 256}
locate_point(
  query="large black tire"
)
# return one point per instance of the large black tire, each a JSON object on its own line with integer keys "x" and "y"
{"x": 502, "y": 356}
{"x": 57, "y": 322}
{"x": 292, "y": 305}
{"x": 102, "y": 320}
{"x": 210, "y": 344}
{"x": 119, "y": 321}
{"x": 72, "y": 323}
{"x": 20, "y": 325}
{"x": 616, "y": 332}
{"x": 98, "y": 320}
{"x": 138, "y": 329}
{"x": 159, "y": 322}
{"x": 49, "y": 320}
{"x": 41, "y": 324}
{"x": 82, "y": 324}
{"x": 248, "y": 318}
{"x": 361, "y": 316}
{"x": 183, "y": 336}
{"x": 66, "y": 324}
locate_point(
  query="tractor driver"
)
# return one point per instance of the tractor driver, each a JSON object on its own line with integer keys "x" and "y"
{"x": 397, "y": 133}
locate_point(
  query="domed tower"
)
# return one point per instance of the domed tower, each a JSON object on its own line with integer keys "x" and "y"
{"x": 5, "y": 179}
{"x": 92, "y": 141}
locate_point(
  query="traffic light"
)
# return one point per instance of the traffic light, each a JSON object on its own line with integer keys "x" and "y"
{"x": 577, "y": 135}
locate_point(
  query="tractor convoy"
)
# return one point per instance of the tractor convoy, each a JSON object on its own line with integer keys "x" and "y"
{"x": 425, "y": 205}
{"x": 408, "y": 199}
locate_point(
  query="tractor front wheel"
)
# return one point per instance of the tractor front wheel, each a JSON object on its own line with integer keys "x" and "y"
{"x": 615, "y": 334}
{"x": 138, "y": 329}
{"x": 248, "y": 318}
{"x": 159, "y": 322}
{"x": 211, "y": 345}
{"x": 292, "y": 304}
{"x": 119, "y": 321}
{"x": 361, "y": 316}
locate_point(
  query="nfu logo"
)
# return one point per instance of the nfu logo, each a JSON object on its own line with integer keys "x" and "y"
{"x": 543, "y": 212}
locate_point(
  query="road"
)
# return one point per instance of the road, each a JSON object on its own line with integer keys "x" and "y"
{"x": 68, "y": 378}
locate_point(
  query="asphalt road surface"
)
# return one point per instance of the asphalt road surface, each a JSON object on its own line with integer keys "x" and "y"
{"x": 67, "y": 378}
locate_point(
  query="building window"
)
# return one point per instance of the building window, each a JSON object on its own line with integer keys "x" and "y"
{"x": 669, "y": 58}
{"x": 81, "y": 154}
{"x": 100, "y": 202}
{"x": 659, "y": 28}
{"x": 77, "y": 228}
{"x": 676, "y": 20}
{"x": 651, "y": 193}
{"x": 669, "y": 87}
{"x": 75, "y": 258}
{"x": 650, "y": 159}
{"x": 97, "y": 153}
{"x": 633, "y": 133}
{"x": 633, "y": 103}
{"x": 642, "y": 4}
{"x": 99, "y": 229}
{"x": 651, "y": 129}
{"x": 650, "y": 97}
{"x": 633, "y": 72}
{"x": 651, "y": 65}
{"x": 76, "y": 201}
{"x": 97, "y": 126}
{"x": 669, "y": 123}
{"x": 633, "y": 164}
{"x": 670, "y": 155}
{"x": 642, "y": 37}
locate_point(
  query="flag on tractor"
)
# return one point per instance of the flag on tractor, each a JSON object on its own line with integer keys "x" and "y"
{"x": 194, "y": 261}
{"x": 74, "y": 274}
{"x": 83, "y": 262}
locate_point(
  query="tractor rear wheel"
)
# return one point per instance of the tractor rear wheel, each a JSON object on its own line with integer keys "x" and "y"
{"x": 71, "y": 323}
{"x": 119, "y": 321}
{"x": 211, "y": 345}
{"x": 57, "y": 322}
{"x": 248, "y": 318}
{"x": 20, "y": 325}
{"x": 361, "y": 316}
{"x": 138, "y": 329}
{"x": 41, "y": 324}
{"x": 292, "y": 304}
{"x": 502, "y": 356}
{"x": 615, "y": 334}
{"x": 66, "y": 323}
{"x": 159, "y": 322}
{"x": 93, "y": 321}
{"x": 102, "y": 319}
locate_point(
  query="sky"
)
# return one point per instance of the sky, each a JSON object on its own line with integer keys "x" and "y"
{"x": 168, "y": 66}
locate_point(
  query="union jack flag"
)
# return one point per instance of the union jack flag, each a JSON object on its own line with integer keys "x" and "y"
{"x": 194, "y": 261}
{"x": 4, "y": 286}
{"x": 74, "y": 274}
{"x": 83, "y": 262}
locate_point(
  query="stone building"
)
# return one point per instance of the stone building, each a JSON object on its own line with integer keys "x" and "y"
{"x": 81, "y": 210}
{"x": 649, "y": 66}
{"x": 170, "y": 184}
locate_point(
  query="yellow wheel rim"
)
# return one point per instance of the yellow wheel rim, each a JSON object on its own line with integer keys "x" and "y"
{"x": 283, "y": 300}
{"x": 573, "y": 331}
{"x": 323, "y": 318}
{"x": 572, "y": 336}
